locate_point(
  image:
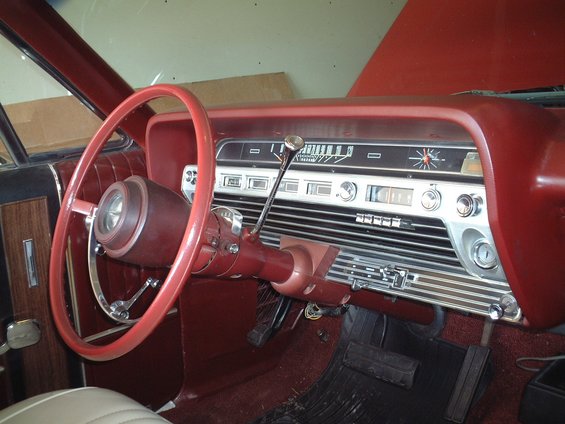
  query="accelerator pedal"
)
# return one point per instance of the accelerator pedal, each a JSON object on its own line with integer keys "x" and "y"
{"x": 470, "y": 374}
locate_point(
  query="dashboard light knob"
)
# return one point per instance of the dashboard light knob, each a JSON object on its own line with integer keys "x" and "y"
{"x": 469, "y": 205}
{"x": 431, "y": 199}
{"x": 347, "y": 191}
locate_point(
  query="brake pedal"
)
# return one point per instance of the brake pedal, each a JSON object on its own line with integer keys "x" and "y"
{"x": 376, "y": 362}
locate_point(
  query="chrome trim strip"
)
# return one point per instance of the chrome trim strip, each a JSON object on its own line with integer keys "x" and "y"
{"x": 70, "y": 273}
{"x": 57, "y": 182}
{"x": 30, "y": 263}
{"x": 69, "y": 257}
{"x": 119, "y": 329}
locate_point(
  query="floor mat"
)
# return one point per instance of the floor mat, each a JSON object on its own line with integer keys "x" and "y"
{"x": 345, "y": 395}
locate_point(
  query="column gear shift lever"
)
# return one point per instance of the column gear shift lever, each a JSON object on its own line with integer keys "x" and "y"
{"x": 292, "y": 145}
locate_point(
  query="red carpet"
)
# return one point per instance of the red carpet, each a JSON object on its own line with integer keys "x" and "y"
{"x": 304, "y": 361}
{"x": 501, "y": 402}
{"x": 308, "y": 356}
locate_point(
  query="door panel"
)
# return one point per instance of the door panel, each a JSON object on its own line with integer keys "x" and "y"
{"x": 44, "y": 364}
{"x": 28, "y": 207}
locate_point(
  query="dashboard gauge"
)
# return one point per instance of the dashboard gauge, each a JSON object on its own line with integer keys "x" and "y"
{"x": 365, "y": 156}
{"x": 426, "y": 159}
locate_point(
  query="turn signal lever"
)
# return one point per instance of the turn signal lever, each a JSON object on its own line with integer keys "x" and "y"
{"x": 292, "y": 145}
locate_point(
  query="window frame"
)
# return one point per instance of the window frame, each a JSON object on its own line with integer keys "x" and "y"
{"x": 11, "y": 140}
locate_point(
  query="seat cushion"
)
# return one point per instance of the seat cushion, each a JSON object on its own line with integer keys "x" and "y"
{"x": 79, "y": 406}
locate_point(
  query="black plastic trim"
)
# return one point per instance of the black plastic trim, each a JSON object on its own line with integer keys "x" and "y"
{"x": 13, "y": 143}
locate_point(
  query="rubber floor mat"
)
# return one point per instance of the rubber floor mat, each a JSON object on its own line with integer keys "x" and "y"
{"x": 345, "y": 395}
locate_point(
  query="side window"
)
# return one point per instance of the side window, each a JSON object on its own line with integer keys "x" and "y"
{"x": 4, "y": 156}
{"x": 44, "y": 114}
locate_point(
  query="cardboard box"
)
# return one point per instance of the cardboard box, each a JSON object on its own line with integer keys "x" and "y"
{"x": 63, "y": 122}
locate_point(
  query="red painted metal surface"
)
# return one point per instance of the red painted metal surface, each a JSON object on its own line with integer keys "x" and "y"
{"x": 53, "y": 38}
{"x": 519, "y": 145}
{"x": 444, "y": 47}
{"x": 188, "y": 251}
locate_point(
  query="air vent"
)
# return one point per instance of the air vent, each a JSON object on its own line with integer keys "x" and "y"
{"x": 418, "y": 241}
{"x": 409, "y": 256}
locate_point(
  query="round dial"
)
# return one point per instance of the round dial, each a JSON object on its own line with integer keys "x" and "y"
{"x": 347, "y": 191}
{"x": 468, "y": 205}
{"x": 431, "y": 199}
{"x": 484, "y": 255}
{"x": 426, "y": 159}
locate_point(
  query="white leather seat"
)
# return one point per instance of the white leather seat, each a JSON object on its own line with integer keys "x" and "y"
{"x": 79, "y": 406}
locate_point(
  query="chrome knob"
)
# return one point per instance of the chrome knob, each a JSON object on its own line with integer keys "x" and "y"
{"x": 496, "y": 311}
{"x": 506, "y": 306}
{"x": 294, "y": 143}
{"x": 469, "y": 205}
{"x": 347, "y": 191}
{"x": 431, "y": 199}
{"x": 484, "y": 255}
{"x": 190, "y": 176}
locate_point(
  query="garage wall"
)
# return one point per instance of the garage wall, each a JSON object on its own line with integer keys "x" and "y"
{"x": 322, "y": 45}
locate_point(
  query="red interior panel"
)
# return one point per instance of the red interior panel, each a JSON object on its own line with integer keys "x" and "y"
{"x": 444, "y": 47}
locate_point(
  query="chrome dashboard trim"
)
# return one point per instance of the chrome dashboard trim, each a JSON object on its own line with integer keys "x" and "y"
{"x": 434, "y": 248}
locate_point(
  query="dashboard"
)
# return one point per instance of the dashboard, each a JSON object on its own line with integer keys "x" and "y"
{"x": 409, "y": 219}
{"x": 453, "y": 201}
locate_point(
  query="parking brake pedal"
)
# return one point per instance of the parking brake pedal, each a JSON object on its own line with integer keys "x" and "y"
{"x": 262, "y": 332}
{"x": 472, "y": 370}
{"x": 381, "y": 364}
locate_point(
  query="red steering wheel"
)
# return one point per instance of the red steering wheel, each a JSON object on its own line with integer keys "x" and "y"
{"x": 189, "y": 247}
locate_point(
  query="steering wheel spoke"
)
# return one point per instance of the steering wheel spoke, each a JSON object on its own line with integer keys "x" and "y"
{"x": 83, "y": 207}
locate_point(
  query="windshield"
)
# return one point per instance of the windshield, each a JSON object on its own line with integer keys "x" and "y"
{"x": 321, "y": 47}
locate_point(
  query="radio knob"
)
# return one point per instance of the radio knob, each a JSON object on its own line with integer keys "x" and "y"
{"x": 431, "y": 199}
{"x": 469, "y": 205}
{"x": 347, "y": 191}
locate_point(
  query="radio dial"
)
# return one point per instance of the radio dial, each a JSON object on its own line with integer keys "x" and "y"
{"x": 347, "y": 191}
{"x": 469, "y": 205}
{"x": 431, "y": 199}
